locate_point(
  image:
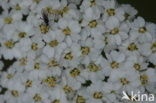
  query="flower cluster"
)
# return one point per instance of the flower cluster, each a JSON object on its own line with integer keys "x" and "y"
{"x": 74, "y": 51}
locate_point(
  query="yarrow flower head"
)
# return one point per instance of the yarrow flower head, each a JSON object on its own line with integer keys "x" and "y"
{"x": 74, "y": 51}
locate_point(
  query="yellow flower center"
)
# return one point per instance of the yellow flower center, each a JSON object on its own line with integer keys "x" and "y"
{"x": 53, "y": 11}
{"x": 15, "y": 93}
{"x": 17, "y": 7}
{"x": 56, "y": 101}
{"x": 114, "y": 31}
{"x": 85, "y": 50}
{"x": 9, "y": 44}
{"x": 22, "y": 34}
{"x": 9, "y": 76}
{"x": 132, "y": 47}
{"x": 68, "y": 56}
{"x": 92, "y": 24}
{"x": 37, "y": 98}
{"x": 23, "y": 61}
{"x": 142, "y": 29}
{"x": 80, "y": 99}
{"x": 67, "y": 89}
{"x": 124, "y": 81}
{"x": 126, "y": 15}
{"x": 92, "y": 2}
{"x": 137, "y": 66}
{"x": 67, "y": 31}
{"x": 93, "y": 67}
{"x": 8, "y": 20}
{"x": 28, "y": 83}
{"x": 144, "y": 79}
{"x": 111, "y": 12}
{"x": 53, "y": 63}
{"x": 50, "y": 81}
{"x": 153, "y": 47}
{"x": 53, "y": 43}
{"x": 75, "y": 72}
{"x": 44, "y": 28}
{"x": 34, "y": 46}
{"x": 114, "y": 65}
{"x": 37, "y": 66}
{"x": 98, "y": 95}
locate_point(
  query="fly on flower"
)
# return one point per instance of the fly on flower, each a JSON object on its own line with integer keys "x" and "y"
{"x": 53, "y": 13}
{"x": 45, "y": 17}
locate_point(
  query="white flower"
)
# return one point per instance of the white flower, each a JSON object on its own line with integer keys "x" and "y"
{"x": 127, "y": 80}
{"x": 36, "y": 46}
{"x": 48, "y": 51}
{"x": 29, "y": 64}
{"x": 115, "y": 61}
{"x": 1, "y": 23}
{"x": 94, "y": 70}
{"x": 136, "y": 62}
{"x": 23, "y": 30}
{"x": 19, "y": 86}
{"x": 148, "y": 50}
{"x": 12, "y": 96}
{"x": 130, "y": 47}
{"x": 94, "y": 27}
{"x": 111, "y": 89}
{"x": 53, "y": 43}
{"x": 58, "y": 95}
{"x": 74, "y": 77}
{"x": 99, "y": 42}
{"x": 8, "y": 34}
{"x": 86, "y": 49}
{"x": 39, "y": 74}
{"x": 2, "y": 98}
{"x": 52, "y": 64}
{"x": 6, "y": 77}
{"x": 9, "y": 49}
{"x": 36, "y": 94}
{"x": 92, "y": 13}
{"x": 130, "y": 11}
{"x": 147, "y": 79}
{"x": 71, "y": 56}
{"x": 69, "y": 27}
{"x": 151, "y": 27}
{"x": 151, "y": 72}
{"x": 24, "y": 45}
{"x": 139, "y": 31}
{"x": 91, "y": 3}
{"x": 117, "y": 32}
{"x": 71, "y": 12}
{"x": 96, "y": 93}
{"x": 47, "y": 3}
{"x": 111, "y": 9}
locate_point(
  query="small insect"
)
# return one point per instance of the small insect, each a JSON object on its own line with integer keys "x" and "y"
{"x": 63, "y": 68}
{"x": 45, "y": 17}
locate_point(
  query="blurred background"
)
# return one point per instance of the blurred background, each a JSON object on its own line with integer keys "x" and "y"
{"x": 146, "y": 8}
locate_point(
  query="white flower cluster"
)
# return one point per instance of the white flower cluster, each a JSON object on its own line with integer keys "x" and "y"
{"x": 74, "y": 51}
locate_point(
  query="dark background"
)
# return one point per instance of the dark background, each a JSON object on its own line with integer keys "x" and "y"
{"x": 145, "y": 8}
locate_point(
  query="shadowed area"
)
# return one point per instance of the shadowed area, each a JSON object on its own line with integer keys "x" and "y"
{"x": 146, "y": 8}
